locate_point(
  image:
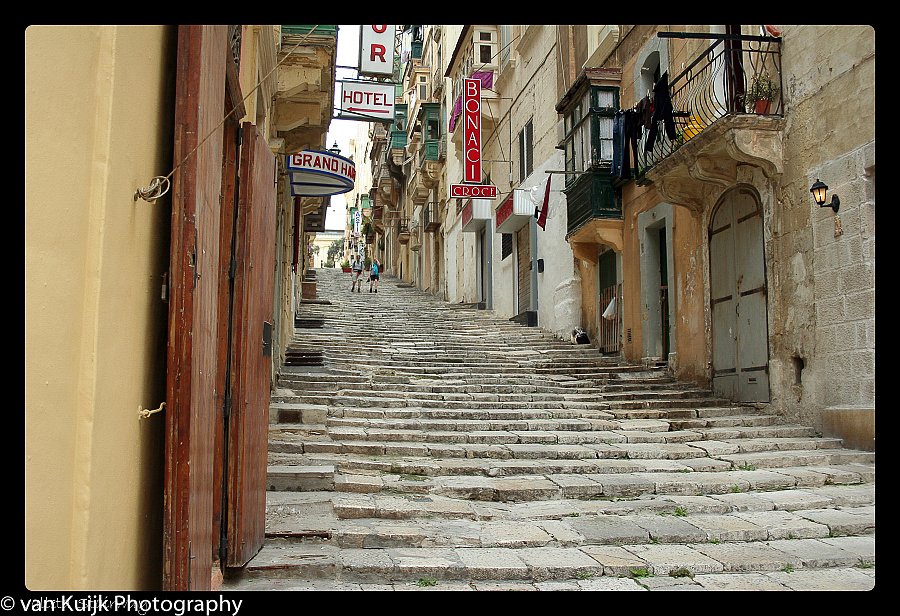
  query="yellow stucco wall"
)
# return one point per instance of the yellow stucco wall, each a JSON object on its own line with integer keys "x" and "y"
{"x": 98, "y": 126}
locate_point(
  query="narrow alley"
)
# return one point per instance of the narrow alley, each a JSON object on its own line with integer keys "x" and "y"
{"x": 440, "y": 447}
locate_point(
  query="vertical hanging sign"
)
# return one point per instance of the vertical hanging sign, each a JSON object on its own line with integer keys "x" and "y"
{"x": 472, "y": 132}
{"x": 376, "y": 50}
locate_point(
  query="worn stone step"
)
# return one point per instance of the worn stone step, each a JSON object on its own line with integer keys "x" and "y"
{"x": 300, "y": 478}
{"x": 314, "y": 560}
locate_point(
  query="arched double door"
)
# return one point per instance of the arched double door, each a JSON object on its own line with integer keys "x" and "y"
{"x": 740, "y": 336}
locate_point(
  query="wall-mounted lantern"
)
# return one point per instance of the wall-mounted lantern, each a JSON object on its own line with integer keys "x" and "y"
{"x": 819, "y": 191}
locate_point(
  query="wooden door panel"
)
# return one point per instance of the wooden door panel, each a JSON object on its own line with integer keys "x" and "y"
{"x": 738, "y": 295}
{"x": 192, "y": 352}
{"x": 253, "y": 301}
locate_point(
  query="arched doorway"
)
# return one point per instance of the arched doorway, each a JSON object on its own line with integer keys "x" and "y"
{"x": 740, "y": 335}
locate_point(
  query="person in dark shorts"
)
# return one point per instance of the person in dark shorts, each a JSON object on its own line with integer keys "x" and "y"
{"x": 373, "y": 274}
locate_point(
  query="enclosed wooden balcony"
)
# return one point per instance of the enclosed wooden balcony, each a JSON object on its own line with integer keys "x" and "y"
{"x": 431, "y": 220}
{"x": 304, "y": 91}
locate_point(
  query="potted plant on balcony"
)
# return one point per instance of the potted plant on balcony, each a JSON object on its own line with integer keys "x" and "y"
{"x": 760, "y": 93}
{"x": 345, "y": 265}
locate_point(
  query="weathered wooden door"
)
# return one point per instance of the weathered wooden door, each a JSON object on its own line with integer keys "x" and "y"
{"x": 738, "y": 294}
{"x": 247, "y": 419}
{"x": 193, "y": 300}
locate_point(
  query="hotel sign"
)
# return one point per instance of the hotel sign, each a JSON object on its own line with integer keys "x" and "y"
{"x": 366, "y": 100}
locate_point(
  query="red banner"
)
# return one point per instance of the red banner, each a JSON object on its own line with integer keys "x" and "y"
{"x": 505, "y": 210}
{"x": 467, "y": 213}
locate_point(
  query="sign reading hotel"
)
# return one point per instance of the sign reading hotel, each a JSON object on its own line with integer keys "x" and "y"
{"x": 376, "y": 50}
{"x": 314, "y": 173}
{"x": 474, "y": 191}
{"x": 472, "y": 130}
{"x": 366, "y": 100}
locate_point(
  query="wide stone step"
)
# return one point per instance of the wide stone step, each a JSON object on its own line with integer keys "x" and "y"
{"x": 562, "y": 391}
{"x": 441, "y": 401}
{"x": 622, "y": 569}
{"x": 501, "y": 394}
{"x": 394, "y": 506}
{"x": 373, "y": 521}
{"x": 684, "y": 475}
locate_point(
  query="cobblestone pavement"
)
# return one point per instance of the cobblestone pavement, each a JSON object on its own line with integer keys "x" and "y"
{"x": 439, "y": 447}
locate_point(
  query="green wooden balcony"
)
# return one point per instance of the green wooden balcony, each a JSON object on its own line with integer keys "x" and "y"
{"x": 592, "y": 196}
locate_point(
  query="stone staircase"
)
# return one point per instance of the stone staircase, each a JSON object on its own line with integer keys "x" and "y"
{"x": 440, "y": 447}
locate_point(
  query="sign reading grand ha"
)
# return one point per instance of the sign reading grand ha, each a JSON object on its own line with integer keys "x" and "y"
{"x": 314, "y": 173}
{"x": 376, "y": 50}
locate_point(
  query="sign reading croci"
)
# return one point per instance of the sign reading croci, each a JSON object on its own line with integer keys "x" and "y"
{"x": 477, "y": 191}
{"x": 314, "y": 173}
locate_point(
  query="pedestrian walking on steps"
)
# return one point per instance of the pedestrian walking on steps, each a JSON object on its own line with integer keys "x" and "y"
{"x": 357, "y": 275}
{"x": 373, "y": 274}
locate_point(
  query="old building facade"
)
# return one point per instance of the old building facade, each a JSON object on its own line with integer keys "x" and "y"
{"x": 703, "y": 249}
{"x": 163, "y": 284}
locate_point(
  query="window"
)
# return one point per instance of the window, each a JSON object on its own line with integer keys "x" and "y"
{"x": 589, "y": 128}
{"x": 526, "y": 151}
{"x": 432, "y": 128}
{"x": 505, "y": 245}
{"x": 484, "y": 54}
{"x": 485, "y": 48}
{"x": 505, "y": 39}
{"x": 423, "y": 87}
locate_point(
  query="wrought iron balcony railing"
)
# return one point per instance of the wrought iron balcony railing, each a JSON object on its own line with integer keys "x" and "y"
{"x": 725, "y": 79}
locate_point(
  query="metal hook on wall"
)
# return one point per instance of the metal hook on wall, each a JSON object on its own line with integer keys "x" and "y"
{"x": 145, "y": 413}
{"x": 154, "y": 191}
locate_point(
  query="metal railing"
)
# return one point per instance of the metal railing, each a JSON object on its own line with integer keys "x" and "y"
{"x": 720, "y": 82}
{"x": 609, "y": 327}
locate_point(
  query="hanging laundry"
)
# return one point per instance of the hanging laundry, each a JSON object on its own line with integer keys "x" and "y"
{"x": 662, "y": 112}
{"x": 618, "y": 143}
{"x": 542, "y": 217}
{"x": 626, "y": 133}
{"x": 644, "y": 110}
